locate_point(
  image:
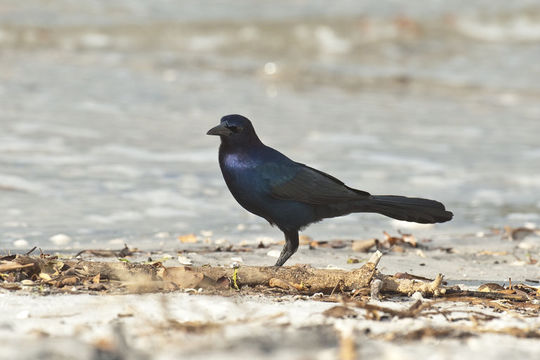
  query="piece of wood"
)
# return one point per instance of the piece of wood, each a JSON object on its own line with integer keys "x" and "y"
{"x": 456, "y": 293}
{"x": 306, "y": 278}
{"x": 10, "y": 266}
{"x": 302, "y": 279}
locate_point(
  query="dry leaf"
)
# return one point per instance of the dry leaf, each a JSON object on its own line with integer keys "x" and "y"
{"x": 189, "y": 238}
{"x": 518, "y": 233}
{"x": 305, "y": 240}
{"x": 409, "y": 239}
{"x": 340, "y": 312}
{"x": 493, "y": 253}
{"x": 45, "y": 277}
{"x": 10, "y": 286}
{"x": 364, "y": 245}
{"x": 97, "y": 287}
{"x": 490, "y": 287}
{"x": 68, "y": 281}
{"x": 193, "y": 327}
{"x": 391, "y": 240}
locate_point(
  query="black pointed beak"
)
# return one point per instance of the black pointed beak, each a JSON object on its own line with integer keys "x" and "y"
{"x": 220, "y": 130}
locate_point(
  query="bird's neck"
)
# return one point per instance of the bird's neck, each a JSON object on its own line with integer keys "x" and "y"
{"x": 239, "y": 146}
{"x": 240, "y": 155}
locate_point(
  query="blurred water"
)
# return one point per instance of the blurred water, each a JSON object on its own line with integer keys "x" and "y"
{"x": 104, "y": 107}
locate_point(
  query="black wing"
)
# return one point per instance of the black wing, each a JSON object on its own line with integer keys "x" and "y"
{"x": 302, "y": 183}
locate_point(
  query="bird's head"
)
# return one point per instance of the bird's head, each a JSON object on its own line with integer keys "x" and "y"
{"x": 235, "y": 129}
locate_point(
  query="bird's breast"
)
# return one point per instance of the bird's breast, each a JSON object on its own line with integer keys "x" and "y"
{"x": 244, "y": 179}
{"x": 238, "y": 161}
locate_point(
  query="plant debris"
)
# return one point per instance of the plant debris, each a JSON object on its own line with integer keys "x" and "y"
{"x": 354, "y": 290}
{"x": 125, "y": 252}
{"x": 340, "y": 312}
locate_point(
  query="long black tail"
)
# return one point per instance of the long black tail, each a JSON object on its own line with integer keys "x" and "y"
{"x": 418, "y": 210}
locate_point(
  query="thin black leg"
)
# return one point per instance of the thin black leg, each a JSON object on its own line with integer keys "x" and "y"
{"x": 291, "y": 245}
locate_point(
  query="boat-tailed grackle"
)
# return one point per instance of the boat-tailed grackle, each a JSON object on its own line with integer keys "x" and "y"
{"x": 292, "y": 195}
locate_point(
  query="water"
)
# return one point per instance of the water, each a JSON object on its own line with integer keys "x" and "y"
{"x": 104, "y": 107}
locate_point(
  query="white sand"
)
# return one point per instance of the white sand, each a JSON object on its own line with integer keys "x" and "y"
{"x": 137, "y": 326}
{"x": 251, "y": 326}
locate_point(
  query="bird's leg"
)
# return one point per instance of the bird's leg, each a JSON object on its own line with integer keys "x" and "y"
{"x": 291, "y": 245}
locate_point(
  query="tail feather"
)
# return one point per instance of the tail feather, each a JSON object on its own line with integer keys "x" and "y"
{"x": 418, "y": 210}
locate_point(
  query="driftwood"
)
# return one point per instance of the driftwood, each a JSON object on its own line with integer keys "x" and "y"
{"x": 11, "y": 265}
{"x": 302, "y": 279}
{"x": 139, "y": 277}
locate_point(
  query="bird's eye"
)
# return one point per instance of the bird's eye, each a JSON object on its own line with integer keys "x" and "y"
{"x": 234, "y": 129}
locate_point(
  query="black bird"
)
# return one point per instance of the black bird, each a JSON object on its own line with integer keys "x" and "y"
{"x": 292, "y": 195}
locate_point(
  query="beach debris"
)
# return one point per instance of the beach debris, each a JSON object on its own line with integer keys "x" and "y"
{"x": 304, "y": 239}
{"x": 353, "y": 289}
{"x": 333, "y": 244}
{"x": 184, "y": 260}
{"x": 189, "y": 238}
{"x": 492, "y": 253}
{"x": 448, "y": 332}
{"x": 489, "y": 287}
{"x": 347, "y": 345}
{"x": 375, "y": 290}
{"x": 364, "y": 245}
{"x": 312, "y": 280}
{"x": 445, "y": 332}
{"x": 10, "y": 266}
{"x": 10, "y": 286}
{"x": 519, "y": 233}
{"x": 373, "y": 309}
{"x": 397, "y": 244}
{"x": 522, "y": 291}
{"x": 185, "y": 277}
{"x": 193, "y": 327}
{"x": 285, "y": 285}
{"x": 398, "y": 241}
{"x": 340, "y": 312}
{"x": 303, "y": 278}
{"x": 125, "y": 252}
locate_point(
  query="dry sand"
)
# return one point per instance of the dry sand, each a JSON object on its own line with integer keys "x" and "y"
{"x": 196, "y": 325}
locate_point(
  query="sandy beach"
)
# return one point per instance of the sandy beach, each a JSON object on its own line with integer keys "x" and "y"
{"x": 104, "y": 107}
{"x": 73, "y": 322}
